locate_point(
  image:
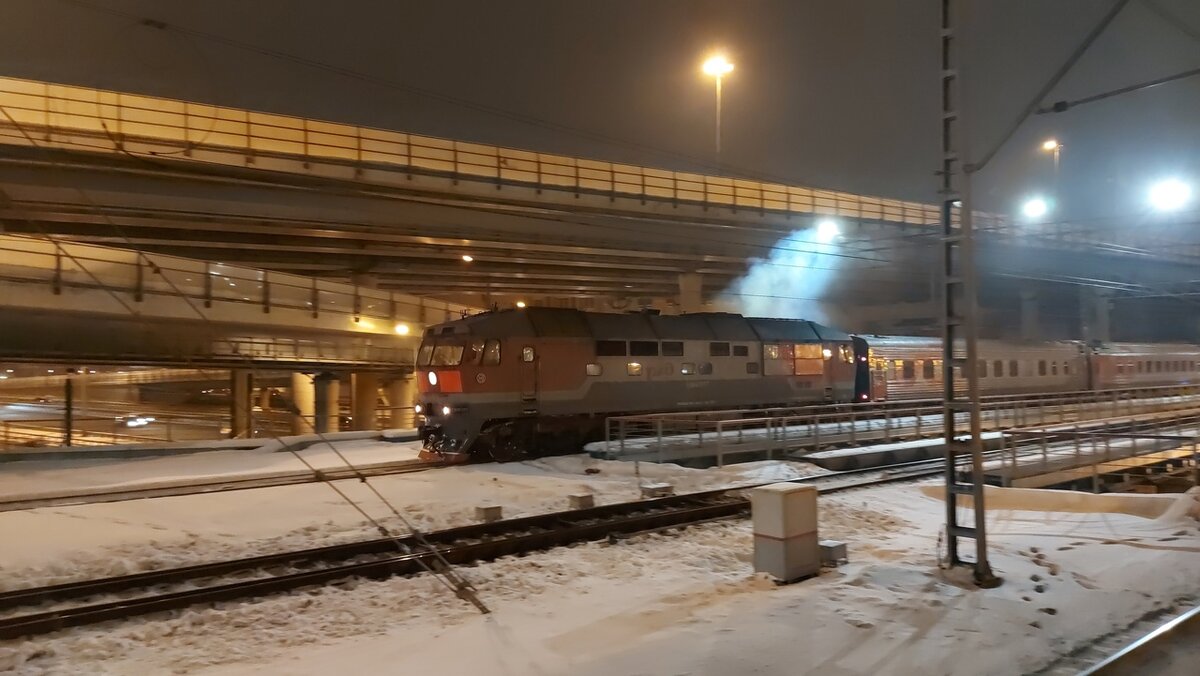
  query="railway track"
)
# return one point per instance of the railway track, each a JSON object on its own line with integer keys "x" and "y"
{"x": 1151, "y": 645}
{"x": 77, "y": 604}
{"x": 161, "y": 490}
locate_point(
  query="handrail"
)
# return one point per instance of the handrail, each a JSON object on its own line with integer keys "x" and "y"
{"x": 110, "y": 121}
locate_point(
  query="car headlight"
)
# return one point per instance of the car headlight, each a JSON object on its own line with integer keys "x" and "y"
{"x": 432, "y": 378}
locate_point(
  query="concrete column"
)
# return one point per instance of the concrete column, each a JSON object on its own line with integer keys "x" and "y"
{"x": 264, "y": 398}
{"x": 691, "y": 295}
{"x": 1030, "y": 328}
{"x": 304, "y": 399}
{"x": 401, "y": 395}
{"x": 241, "y": 384}
{"x": 365, "y": 388}
{"x": 325, "y": 405}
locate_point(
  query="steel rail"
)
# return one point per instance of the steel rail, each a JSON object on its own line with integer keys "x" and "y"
{"x": 1151, "y": 654}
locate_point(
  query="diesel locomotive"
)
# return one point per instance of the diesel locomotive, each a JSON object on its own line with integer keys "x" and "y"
{"x": 543, "y": 380}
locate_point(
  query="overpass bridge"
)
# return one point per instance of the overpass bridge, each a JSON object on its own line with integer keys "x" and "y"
{"x": 399, "y": 211}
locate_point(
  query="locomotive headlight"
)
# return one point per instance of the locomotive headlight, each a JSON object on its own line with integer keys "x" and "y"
{"x": 432, "y": 378}
{"x": 445, "y": 410}
{"x": 417, "y": 408}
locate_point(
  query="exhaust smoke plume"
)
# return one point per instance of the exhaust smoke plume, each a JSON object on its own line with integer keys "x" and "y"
{"x": 792, "y": 281}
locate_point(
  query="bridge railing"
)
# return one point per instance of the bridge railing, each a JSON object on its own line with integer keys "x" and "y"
{"x": 133, "y": 278}
{"x": 66, "y": 116}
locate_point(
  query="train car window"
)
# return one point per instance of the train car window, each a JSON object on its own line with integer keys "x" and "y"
{"x": 807, "y": 351}
{"x": 430, "y": 331}
{"x": 705, "y": 368}
{"x": 1140, "y": 367}
{"x": 927, "y": 369}
{"x": 687, "y": 368}
{"x": 1066, "y": 368}
{"x": 447, "y": 355}
{"x": 1012, "y": 368}
{"x": 475, "y": 355}
{"x": 491, "y": 353}
{"x": 1053, "y": 368}
{"x": 752, "y": 368}
{"x": 672, "y": 348}
{"x": 425, "y": 354}
{"x": 1158, "y": 367}
{"x": 633, "y": 368}
{"x": 594, "y": 369}
{"x": 981, "y": 367}
{"x": 998, "y": 368}
{"x": 771, "y": 351}
{"x": 718, "y": 349}
{"x": 610, "y": 348}
{"x": 741, "y": 350}
{"x": 910, "y": 369}
{"x": 846, "y": 354}
{"x": 527, "y": 353}
{"x": 643, "y": 348}
{"x": 1041, "y": 367}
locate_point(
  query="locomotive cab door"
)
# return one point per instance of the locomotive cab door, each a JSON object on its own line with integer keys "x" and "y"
{"x": 529, "y": 380}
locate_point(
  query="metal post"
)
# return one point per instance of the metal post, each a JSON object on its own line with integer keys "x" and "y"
{"x": 959, "y": 309}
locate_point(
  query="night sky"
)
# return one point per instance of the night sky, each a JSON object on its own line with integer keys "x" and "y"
{"x": 838, "y": 94}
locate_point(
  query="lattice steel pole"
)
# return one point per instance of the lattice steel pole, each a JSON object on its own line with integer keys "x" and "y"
{"x": 959, "y": 311}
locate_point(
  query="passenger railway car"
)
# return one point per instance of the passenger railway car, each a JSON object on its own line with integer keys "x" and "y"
{"x": 1132, "y": 365}
{"x": 502, "y": 382}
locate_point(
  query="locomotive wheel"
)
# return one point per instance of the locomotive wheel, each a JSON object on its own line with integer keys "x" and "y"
{"x": 505, "y": 442}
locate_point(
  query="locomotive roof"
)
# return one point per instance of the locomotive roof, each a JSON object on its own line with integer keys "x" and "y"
{"x": 569, "y": 323}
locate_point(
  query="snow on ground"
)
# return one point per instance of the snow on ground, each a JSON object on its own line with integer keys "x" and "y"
{"x": 35, "y": 477}
{"x": 59, "y": 544}
{"x": 689, "y": 604}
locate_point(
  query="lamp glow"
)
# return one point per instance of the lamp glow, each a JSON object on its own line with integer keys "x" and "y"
{"x": 1035, "y": 208}
{"x": 1170, "y": 195}
{"x": 827, "y": 231}
{"x": 1050, "y": 144}
{"x": 402, "y": 329}
{"x": 717, "y": 66}
{"x": 520, "y": 303}
{"x": 467, "y": 258}
{"x": 432, "y": 378}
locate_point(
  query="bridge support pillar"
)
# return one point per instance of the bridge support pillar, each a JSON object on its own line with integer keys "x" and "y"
{"x": 366, "y": 398}
{"x": 304, "y": 399}
{"x": 1030, "y": 329}
{"x": 241, "y": 403}
{"x": 1094, "y": 308}
{"x": 691, "y": 294}
{"x": 326, "y": 391}
{"x": 401, "y": 395}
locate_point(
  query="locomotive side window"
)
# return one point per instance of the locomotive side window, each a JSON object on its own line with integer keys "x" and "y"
{"x": 752, "y": 367}
{"x": 998, "y": 368}
{"x": 527, "y": 353}
{"x": 1041, "y": 367}
{"x": 447, "y": 355}
{"x": 910, "y": 369}
{"x": 425, "y": 354}
{"x": 705, "y": 368}
{"x": 633, "y": 368}
{"x": 927, "y": 369}
{"x": 643, "y": 348}
{"x": 476, "y": 354}
{"x": 1012, "y": 368}
{"x": 1053, "y": 368}
{"x": 718, "y": 349}
{"x": 687, "y": 368}
{"x": 672, "y": 348}
{"x": 1066, "y": 368}
{"x": 610, "y": 348}
{"x": 771, "y": 351}
{"x": 1140, "y": 366}
{"x": 741, "y": 350}
{"x": 491, "y": 353}
{"x": 594, "y": 369}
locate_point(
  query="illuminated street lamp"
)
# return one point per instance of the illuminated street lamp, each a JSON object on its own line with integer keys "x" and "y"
{"x": 718, "y": 67}
{"x": 467, "y": 258}
{"x": 1051, "y": 145}
{"x": 1170, "y": 195}
{"x": 827, "y": 231}
{"x": 1035, "y": 208}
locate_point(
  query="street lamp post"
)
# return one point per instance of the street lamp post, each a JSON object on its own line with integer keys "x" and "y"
{"x": 1053, "y": 146}
{"x": 718, "y": 67}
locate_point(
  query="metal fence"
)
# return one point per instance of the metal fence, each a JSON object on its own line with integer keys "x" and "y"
{"x": 671, "y": 437}
{"x": 96, "y": 120}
